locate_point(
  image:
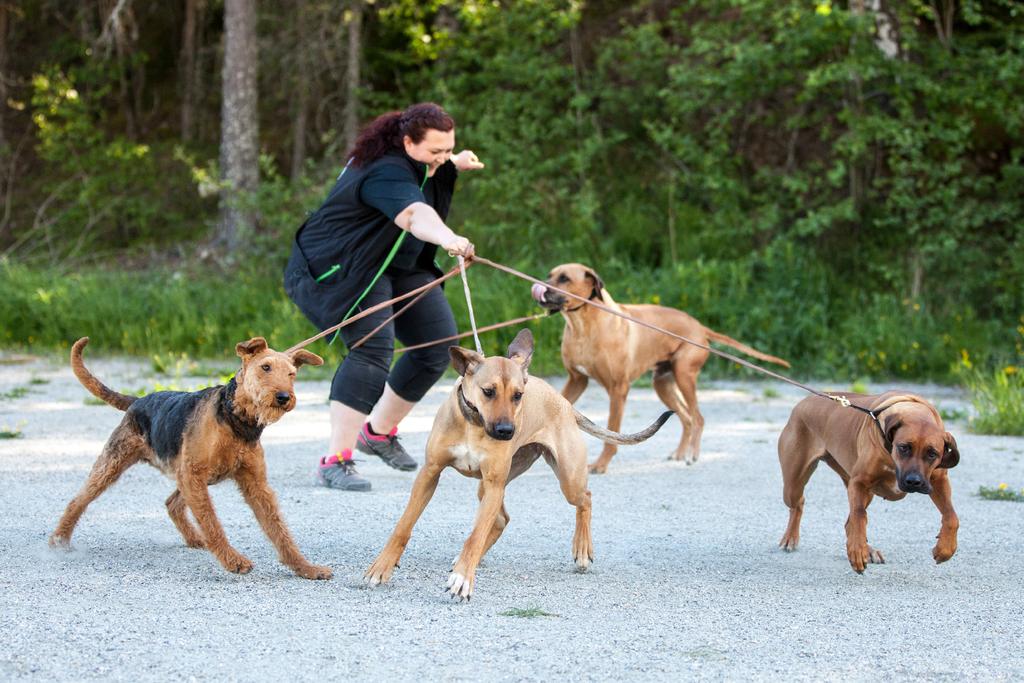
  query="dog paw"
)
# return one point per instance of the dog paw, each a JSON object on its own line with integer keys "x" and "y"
{"x": 858, "y": 556}
{"x": 460, "y": 586}
{"x": 597, "y": 468}
{"x": 313, "y": 571}
{"x": 875, "y": 556}
{"x": 940, "y": 554}
{"x": 789, "y": 544}
{"x": 60, "y": 542}
{"x": 379, "y": 572}
{"x": 196, "y": 543}
{"x": 583, "y": 561}
{"x": 237, "y": 564}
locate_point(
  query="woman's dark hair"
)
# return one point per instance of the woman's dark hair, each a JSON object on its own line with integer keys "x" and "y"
{"x": 384, "y": 134}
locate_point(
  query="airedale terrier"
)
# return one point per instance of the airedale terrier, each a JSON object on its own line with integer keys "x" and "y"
{"x": 201, "y": 438}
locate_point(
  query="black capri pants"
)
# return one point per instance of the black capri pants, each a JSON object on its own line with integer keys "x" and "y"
{"x": 359, "y": 380}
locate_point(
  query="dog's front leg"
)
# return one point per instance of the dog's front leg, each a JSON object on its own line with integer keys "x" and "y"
{"x": 942, "y": 496}
{"x": 617, "y": 394}
{"x": 422, "y": 491}
{"x": 193, "y": 487}
{"x": 857, "y": 549}
{"x": 574, "y": 386}
{"x": 252, "y": 482}
{"x": 493, "y": 481}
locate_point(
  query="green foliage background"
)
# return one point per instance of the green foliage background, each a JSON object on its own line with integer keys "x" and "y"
{"x": 761, "y": 164}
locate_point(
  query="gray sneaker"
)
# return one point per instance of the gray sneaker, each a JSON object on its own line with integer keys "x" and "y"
{"x": 340, "y": 474}
{"x": 387, "y": 448}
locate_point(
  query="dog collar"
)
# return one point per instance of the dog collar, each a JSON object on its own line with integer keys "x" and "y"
{"x": 468, "y": 410}
{"x": 592, "y": 296}
{"x": 243, "y": 429}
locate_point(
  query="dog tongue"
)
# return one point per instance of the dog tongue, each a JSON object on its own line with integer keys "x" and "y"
{"x": 538, "y": 291}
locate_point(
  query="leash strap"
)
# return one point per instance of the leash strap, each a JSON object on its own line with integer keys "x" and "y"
{"x": 736, "y": 359}
{"x": 373, "y": 309}
{"x": 462, "y": 335}
{"x": 469, "y": 305}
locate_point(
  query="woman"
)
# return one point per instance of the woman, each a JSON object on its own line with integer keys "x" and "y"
{"x": 374, "y": 238}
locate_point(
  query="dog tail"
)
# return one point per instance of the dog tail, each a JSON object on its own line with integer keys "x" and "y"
{"x": 729, "y": 341}
{"x": 89, "y": 381}
{"x": 609, "y": 436}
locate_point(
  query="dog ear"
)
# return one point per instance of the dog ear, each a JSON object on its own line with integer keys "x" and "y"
{"x": 251, "y": 347}
{"x": 892, "y": 423}
{"x": 950, "y": 454}
{"x": 303, "y": 357}
{"x": 521, "y": 348}
{"x": 598, "y": 284}
{"x": 464, "y": 361}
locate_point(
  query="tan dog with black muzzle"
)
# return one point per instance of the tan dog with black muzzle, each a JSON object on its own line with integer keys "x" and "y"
{"x": 615, "y": 352}
{"x": 494, "y": 425}
{"x": 901, "y": 448}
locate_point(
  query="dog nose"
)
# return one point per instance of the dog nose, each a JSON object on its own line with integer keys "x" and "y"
{"x": 913, "y": 481}
{"x": 283, "y": 397}
{"x": 504, "y": 430}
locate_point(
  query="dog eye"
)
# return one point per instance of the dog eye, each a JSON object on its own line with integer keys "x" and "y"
{"x": 563, "y": 278}
{"x": 517, "y": 396}
{"x": 903, "y": 448}
{"x": 931, "y": 455}
{"x": 265, "y": 367}
{"x": 488, "y": 392}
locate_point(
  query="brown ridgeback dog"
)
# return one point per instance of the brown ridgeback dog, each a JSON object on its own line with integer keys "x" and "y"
{"x": 904, "y": 449}
{"x": 197, "y": 439}
{"x": 493, "y": 427}
{"x": 616, "y": 352}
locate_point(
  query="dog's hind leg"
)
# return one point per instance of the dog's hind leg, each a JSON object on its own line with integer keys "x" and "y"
{"x": 122, "y": 450}
{"x": 799, "y": 453}
{"x": 177, "y": 510}
{"x": 686, "y": 369}
{"x": 252, "y": 482}
{"x": 667, "y": 390}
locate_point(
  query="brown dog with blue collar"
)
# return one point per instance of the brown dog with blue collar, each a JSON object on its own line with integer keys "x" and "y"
{"x": 495, "y": 424}
{"x": 899, "y": 447}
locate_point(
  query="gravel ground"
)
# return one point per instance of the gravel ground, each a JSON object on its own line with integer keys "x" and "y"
{"x": 688, "y": 580}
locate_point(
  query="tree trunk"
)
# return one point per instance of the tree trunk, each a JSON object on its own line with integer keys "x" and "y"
{"x": 187, "y": 69}
{"x": 355, "y": 51}
{"x": 239, "y": 146}
{"x": 303, "y": 51}
{"x": 3, "y": 82}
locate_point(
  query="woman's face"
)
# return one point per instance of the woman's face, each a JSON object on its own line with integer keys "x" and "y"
{"x": 433, "y": 150}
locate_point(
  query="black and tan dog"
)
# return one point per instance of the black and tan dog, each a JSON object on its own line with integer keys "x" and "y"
{"x": 494, "y": 425}
{"x": 902, "y": 448}
{"x": 197, "y": 439}
{"x": 615, "y": 352}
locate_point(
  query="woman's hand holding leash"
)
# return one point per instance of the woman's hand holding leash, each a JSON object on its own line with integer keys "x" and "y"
{"x": 466, "y": 160}
{"x": 459, "y": 246}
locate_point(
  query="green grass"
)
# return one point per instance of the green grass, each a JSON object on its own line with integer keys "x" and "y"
{"x": 998, "y": 399}
{"x": 15, "y": 393}
{"x": 527, "y": 613}
{"x": 953, "y": 414}
{"x": 10, "y": 433}
{"x": 1001, "y": 492}
{"x": 184, "y": 319}
{"x": 38, "y": 380}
